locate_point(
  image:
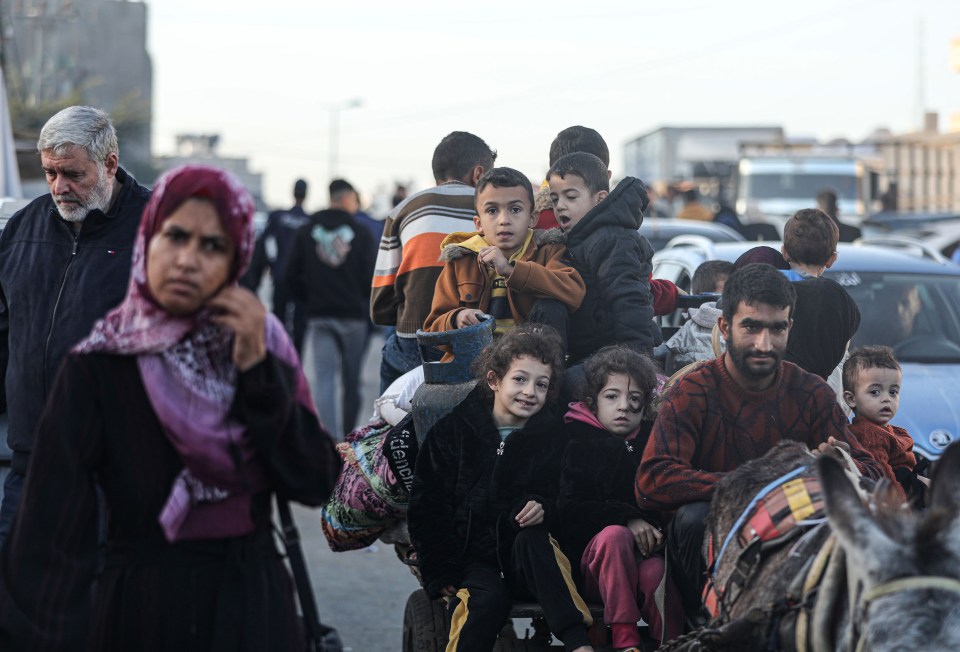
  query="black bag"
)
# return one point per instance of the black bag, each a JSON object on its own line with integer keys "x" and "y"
{"x": 320, "y": 637}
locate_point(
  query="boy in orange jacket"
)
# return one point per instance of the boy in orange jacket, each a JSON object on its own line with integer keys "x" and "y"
{"x": 502, "y": 269}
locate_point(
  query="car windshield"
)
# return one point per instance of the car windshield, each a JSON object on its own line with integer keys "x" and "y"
{"x": 798, "y": 186}
{"x": 916, "y": 314}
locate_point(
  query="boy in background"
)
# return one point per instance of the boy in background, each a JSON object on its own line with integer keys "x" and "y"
{"x": 501, "y": 269}
{"x": 825, "y": 317}
{"x": 608, "y": 251}
{"x": 407, "y": 265}
{"x": 694, "y": 340}
{"x": 871, "y": 387}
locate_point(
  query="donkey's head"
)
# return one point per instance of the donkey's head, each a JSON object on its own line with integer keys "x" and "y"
{"x": 891, "y": 545}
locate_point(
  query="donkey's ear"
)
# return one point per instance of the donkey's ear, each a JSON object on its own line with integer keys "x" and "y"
{"x": 849, "y": 517}
{"x": 946, "y": 480}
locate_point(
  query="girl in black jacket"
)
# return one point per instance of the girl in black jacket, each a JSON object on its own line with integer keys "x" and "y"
{"x": 482, "y": 506}
{"x": 612, "y": 541}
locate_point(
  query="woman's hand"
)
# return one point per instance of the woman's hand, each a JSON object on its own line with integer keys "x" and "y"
{"x": 648, "y": 538}
{"x": 531, "y": 514}
{"x": 239, "y": 310}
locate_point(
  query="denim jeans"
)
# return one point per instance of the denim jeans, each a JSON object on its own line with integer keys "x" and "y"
{"x": 337, "y": 346}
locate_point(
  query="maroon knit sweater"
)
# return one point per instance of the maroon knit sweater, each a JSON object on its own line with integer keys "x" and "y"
{"x": 891, "y": 446}
{"x": 709, "y": 425}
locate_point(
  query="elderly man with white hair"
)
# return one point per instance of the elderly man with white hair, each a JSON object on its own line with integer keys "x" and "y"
{"x": 64, "y": 262}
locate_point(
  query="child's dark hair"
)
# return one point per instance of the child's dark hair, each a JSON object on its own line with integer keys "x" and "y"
{"x": 761, "y": 254}
{"x": 757, "y": 283}
{"x": 867, "y": 357}
{"x": 579, "y": 139}
{"x": 619, "y": 359}
{"x": 810, "y": 237}
{"x": 539, "y": 341}
{"x": 707, "y": 276}
{"x": 458, "y": 153}
{"x": 586, "y": 166}
{"x": 505, "y": 178}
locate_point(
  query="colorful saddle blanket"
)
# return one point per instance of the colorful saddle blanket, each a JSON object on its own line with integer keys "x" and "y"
{"x": 776, "y": 515}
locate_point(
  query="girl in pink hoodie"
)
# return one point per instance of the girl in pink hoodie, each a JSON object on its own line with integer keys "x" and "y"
{"x": 617, "y": 543}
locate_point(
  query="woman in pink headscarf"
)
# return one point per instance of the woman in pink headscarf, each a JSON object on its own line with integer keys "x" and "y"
{"x": 187, "y": 406}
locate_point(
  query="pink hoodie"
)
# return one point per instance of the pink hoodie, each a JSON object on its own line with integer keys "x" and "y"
{"x": 580, "y": 412}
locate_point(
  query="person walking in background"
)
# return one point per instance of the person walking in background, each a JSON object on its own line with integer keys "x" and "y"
{"x": 331, "y": 264}
{"x": 693, "y": 208}
{"x": 64, "y": 262}
{"x": 827, "y": 202}
{"x": 364, "y": 219}
{"x": 408, "y": 261}
{"x": 188, "y": 407}
{"x": 399, "y": 194}
{"x": 272, "y": 252}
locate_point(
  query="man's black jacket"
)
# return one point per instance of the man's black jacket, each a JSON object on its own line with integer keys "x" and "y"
{"x": 54, "y": 285}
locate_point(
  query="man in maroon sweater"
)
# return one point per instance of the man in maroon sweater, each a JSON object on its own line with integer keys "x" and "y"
{"x": 732, "y": 410}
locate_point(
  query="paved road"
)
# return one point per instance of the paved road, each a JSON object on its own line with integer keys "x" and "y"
{"x": 361, "y": 593}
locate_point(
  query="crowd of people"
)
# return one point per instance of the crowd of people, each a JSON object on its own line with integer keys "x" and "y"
{"x": 156, "y": 407}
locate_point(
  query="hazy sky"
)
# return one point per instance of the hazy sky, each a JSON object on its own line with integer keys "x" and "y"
{"x": 265, "y": 74}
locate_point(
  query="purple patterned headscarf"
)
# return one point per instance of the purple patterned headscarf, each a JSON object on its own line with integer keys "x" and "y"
{"x": 187, "y": 369}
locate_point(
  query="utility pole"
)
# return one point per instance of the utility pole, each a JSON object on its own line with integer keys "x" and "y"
{"x": 334, "y": 110}
{"x": 921, "y": 98}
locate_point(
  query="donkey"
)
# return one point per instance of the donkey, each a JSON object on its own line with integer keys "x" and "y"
{"x": 901, "y": 589}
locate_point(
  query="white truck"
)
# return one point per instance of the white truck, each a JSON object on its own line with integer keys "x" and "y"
{"x": 778, "y": 185}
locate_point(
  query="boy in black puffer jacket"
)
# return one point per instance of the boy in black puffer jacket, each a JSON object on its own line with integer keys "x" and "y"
{"x": 605, "y": 247}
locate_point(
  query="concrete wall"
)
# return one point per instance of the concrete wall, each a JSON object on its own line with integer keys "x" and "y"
{"x": 96, "y": 48}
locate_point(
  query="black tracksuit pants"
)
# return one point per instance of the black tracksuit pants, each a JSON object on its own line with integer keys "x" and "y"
{"x": 685, "y": 554}
{"x": 537, "y": 571}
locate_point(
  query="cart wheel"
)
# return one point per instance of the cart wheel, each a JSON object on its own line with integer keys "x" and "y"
{"x": 424, "y": 624}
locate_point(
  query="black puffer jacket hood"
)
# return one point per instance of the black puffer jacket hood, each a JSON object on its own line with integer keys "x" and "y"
{"x": 614, "y": 261}
{"x": 623, "y": 207}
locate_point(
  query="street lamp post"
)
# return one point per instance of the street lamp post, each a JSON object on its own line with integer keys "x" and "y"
{"x": 334, "y": 110}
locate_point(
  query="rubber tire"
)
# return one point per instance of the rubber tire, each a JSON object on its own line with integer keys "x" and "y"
{"x": 424, "y": 624}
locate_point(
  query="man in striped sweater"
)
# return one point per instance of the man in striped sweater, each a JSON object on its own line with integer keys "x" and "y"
{"x": 732, "y": 410}
{"x": 408, "y": 263}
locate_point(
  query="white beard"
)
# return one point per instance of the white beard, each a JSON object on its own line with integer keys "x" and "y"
{"x": 99, "y": 199}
